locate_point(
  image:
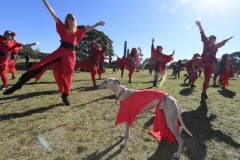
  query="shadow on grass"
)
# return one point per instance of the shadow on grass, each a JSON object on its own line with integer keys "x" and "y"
{"x": 85, "y": 88}
{"x": 98, "y": 156}
{"x": 215, "y": 86}
{"x": 186, "y": 91}
{"x": 184, "y": 85}
{"x": 227, "y": 93}
{"x": 28, "y": 95}
{"x": 95, "y": 100}
{"x": 199, "y": 124}
{"x": 27, "y": 113}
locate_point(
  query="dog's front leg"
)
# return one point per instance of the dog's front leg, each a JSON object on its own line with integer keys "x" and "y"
{"x": 126, "y": 136}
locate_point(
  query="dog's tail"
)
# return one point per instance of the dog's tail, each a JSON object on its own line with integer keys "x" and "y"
{"x": 181, "y": 121}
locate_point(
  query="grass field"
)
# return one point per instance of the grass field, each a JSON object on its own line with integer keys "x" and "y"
{"x": 87, "y": 131}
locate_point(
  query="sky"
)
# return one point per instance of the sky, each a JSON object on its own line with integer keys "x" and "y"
{"x": 170, "y": 22}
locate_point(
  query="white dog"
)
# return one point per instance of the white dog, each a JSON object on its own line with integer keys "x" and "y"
{"x": 170, "y": 106}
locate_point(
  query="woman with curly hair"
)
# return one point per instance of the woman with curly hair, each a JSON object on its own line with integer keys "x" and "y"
{"x": 131, "y": 62}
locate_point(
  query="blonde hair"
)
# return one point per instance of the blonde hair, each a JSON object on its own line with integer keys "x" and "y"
{"x": 74, "y": 24}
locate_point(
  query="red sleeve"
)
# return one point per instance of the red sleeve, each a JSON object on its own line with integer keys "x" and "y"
{"x": 154, "y": 55}
{"x": 203, "y": 36}
{"x": 16, "y": 44}
{"x": 60, "y": 27}
{"x": 16, "y": 50}
{"x": 80, "y": 34}
{"x": 103, "y": 50}
{"x": 220, "y": 44}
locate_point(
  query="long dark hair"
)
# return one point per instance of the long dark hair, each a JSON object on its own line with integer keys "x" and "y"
{"x": 223, "y": 61}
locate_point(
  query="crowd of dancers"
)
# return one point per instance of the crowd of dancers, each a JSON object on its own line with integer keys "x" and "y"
{"x": 62, "y": 60}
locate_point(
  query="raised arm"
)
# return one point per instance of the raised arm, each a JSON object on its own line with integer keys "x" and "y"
{"x": 50, "y": 10}
{"x": 110, "y": 41}
{"x": 152, "y": 43}
{"x": 204, "y": 37}
{"x": 172, "y": 53}
{"x": 198, "y": 23}
{"x": 106, "y": 47}
{"x": 30, "y": 44}
{"x": 101, "y": 23}
{"x": 220, "y": 44}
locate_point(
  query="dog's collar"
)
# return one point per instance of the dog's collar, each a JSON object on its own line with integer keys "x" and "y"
{"x": 119, "y": 95}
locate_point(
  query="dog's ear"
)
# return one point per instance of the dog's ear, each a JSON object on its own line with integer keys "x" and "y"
{"x": 116, "y": 81}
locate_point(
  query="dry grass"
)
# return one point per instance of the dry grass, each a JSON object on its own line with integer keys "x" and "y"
{"x": 89, "y": 131}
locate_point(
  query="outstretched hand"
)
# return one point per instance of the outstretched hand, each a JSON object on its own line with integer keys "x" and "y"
{"x": 101, "y": 23}
{"x": 173, "y": 53}
{"x": 231, "y": 37}
{"x": 153, "y": 40}
{"x": 36, "y": 43}
{"x": 198, "y": 23}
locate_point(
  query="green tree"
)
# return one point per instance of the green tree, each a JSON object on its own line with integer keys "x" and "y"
{"x": 83, "y": 49}
{"x": 235, "y": 58}
{"x": 34, "y": 53}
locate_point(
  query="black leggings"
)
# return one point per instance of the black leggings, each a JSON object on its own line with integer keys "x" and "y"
{"x": 30, "y": 74}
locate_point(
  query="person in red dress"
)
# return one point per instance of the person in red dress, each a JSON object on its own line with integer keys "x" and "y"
{"x": 120, "y": 64}
{"x": 101, "y": 63}
{"x": 160, "y": 60}
{"x": 207, "y": 58}
{"x": 192, "y": 71}
{"x": 224, "y": 70}
{"x": 61, "y": 60}
{"x": 7, "y": 45}
{"x": 91, "y": 64}
{"x": 12, "y": 62}
{"x": 131, "y": 62}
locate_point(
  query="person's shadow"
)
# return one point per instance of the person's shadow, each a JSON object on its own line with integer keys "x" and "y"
{"x": 97, "y": 156}
{"x": 186, "y": 91}
{"x": 4, "y": 117}
{"x": 227, "y": 93}
{"x": 199, "y": 124}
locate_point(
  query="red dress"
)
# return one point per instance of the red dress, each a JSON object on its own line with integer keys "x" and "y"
{"x": 207, "y": 58}
{"x": 6, "y": 47}
{"x": 120, "y": 64}
{"x": 11, "y": 63}
{"x": 89, "y": 63}
{"x": 62, "y": 70}
{"x": 131, "y": 63}
{"x": 101, "y": 63}
{"x": 224, "y": 77}
{"x": 162, "y": 58}
{"x": 130, "y": 107}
